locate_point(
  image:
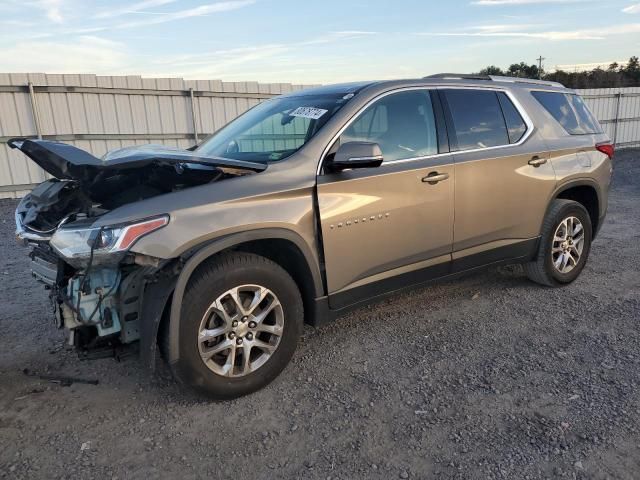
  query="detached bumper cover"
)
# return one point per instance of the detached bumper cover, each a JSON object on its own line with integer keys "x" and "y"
{"x": 24, "y": 235}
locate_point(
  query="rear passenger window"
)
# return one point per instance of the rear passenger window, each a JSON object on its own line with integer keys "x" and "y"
{"x": 477, "y": 119}
{"x": 570, "y": 111}
{"x": 515, "y": 124}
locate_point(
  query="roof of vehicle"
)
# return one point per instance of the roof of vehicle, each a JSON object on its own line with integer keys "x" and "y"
{"x": 438, "y": 79}
{"x": 332, "y": 89}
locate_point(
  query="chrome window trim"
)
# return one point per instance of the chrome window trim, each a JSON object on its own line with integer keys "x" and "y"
{"x": 377, "y": 157}
{"x": 516, "y": 103}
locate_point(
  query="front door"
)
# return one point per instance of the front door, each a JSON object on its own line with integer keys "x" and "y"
{"x": 387, "y": 227}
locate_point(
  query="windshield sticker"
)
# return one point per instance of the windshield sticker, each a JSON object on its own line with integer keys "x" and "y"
{"x": 308, "y": 112}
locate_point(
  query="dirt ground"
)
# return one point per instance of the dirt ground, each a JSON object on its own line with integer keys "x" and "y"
{"x": 489, "y": 376}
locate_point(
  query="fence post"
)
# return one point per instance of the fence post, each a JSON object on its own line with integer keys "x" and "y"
{"x": 193, "y": 115}
{"x": 34, "y": 110}
{"x": 617, "y": 119}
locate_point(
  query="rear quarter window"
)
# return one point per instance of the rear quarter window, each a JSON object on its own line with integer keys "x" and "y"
{"x": 570, "y": 111}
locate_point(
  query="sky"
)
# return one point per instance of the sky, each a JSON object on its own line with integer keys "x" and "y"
{"x": 309, "y": 42}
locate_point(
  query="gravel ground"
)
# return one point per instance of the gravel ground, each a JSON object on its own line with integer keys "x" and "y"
{"x": 490, "y": 376}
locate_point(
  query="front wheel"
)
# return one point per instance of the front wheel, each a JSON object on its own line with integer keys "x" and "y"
{"x": 241, "y": 318}
{"x": 565, "y": 243}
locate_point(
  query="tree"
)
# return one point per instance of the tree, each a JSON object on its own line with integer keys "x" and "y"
{"x": 492, "y": 70}
{"x": 614, "y": 76}
{"x": 632, "y": 70}
{"x": 633, "y": 66}
{"x": 523, "y": 70}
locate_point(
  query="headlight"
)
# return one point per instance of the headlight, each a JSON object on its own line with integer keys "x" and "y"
{"x": 107, "y": 244}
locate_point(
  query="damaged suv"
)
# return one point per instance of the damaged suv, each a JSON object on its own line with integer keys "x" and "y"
{"x": 306, "y": 206}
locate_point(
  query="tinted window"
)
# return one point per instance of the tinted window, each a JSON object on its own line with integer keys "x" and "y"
{"x": 402, "y": 124}
{"x": 477, "y": 119}
{"x": 515, "y": 124}
{"x": 586, "y": 118}
{"x": 570, "y": 111}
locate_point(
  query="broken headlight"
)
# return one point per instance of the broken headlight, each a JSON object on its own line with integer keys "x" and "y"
{"x": 102, "y": 245}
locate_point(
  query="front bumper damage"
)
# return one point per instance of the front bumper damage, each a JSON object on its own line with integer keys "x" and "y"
{"x": 106, "y": 308}
{"x": 106, "y": 300}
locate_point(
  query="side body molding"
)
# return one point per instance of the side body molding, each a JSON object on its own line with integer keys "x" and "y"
{"x": 219, "y": 245}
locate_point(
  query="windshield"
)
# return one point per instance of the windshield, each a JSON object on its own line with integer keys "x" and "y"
{"x": 274, "y": 129}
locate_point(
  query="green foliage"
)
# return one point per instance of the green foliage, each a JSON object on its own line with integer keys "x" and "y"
{"x": 492, "y": 70}
{"x": 523, "y": 70}
{"x": 614, "y": 76}
{"x": 632, "y": 68}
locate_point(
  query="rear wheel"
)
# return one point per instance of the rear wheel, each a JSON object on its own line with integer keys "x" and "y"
{"x": 241, "y": 319}
{"x": 564, "y": 245}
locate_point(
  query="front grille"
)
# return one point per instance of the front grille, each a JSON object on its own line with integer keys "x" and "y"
{"x": 44, "y": 265}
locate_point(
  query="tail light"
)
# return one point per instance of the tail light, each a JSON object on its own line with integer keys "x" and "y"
{"x": 607, "y": 148}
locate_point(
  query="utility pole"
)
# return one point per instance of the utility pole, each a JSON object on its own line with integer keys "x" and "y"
{"x": 540, "y": 59}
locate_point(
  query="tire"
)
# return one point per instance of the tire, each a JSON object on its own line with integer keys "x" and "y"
{"x": 544, "y": 269}
{"x": 217, "y": 377}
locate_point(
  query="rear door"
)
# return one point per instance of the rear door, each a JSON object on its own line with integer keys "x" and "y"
{"x": 503, "y": 176}
{"x": 384, "y": 228}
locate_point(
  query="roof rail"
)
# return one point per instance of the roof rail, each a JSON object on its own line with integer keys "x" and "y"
{"x": 459, "y": 76}
{"x": 495, "y": 78}
{"x": 498, "y": 78}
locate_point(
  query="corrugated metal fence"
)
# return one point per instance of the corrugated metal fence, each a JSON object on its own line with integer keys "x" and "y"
{"x": 618, "y": 110}
{"x": 100, "y": 113}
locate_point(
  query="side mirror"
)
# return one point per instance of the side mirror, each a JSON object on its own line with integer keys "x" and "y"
{"x": 357, "y": 155}
{"x": 233, "y": 147}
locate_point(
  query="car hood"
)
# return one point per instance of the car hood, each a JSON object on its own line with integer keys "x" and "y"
{"x": 67, "y": 162}
{"x": 86, "y": 186}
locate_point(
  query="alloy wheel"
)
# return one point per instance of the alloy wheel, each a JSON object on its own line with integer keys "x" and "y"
{"x": 568, "y": 243}
{"x": 240, "y": 330}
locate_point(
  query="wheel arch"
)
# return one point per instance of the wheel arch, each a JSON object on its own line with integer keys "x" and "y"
{"x": 587, "y": 193}
{"x": 285, "y": 247}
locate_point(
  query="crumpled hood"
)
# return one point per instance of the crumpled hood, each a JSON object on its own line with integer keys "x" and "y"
{"x": 85, "y": 185}
{"x": 67, "y": 162}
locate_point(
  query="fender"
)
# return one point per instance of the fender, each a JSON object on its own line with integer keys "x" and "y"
{"x": 581, "y": 182}
{"x": 578, "y": 182}
{"x": 154, "y": 301}
{"x": 217, "y": 246}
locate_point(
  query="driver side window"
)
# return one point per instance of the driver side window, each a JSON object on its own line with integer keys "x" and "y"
{"x": 403, "y": 124}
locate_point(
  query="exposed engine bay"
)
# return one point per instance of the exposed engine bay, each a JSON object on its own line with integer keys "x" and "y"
{"x": 96, "y": 285}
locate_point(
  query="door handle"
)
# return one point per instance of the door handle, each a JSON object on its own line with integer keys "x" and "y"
{"x": 435, "y": 177}
{"x": 536, "y": 161}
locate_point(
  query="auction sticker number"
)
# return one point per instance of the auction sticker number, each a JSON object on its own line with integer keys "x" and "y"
{"x": 308, "y": 112}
